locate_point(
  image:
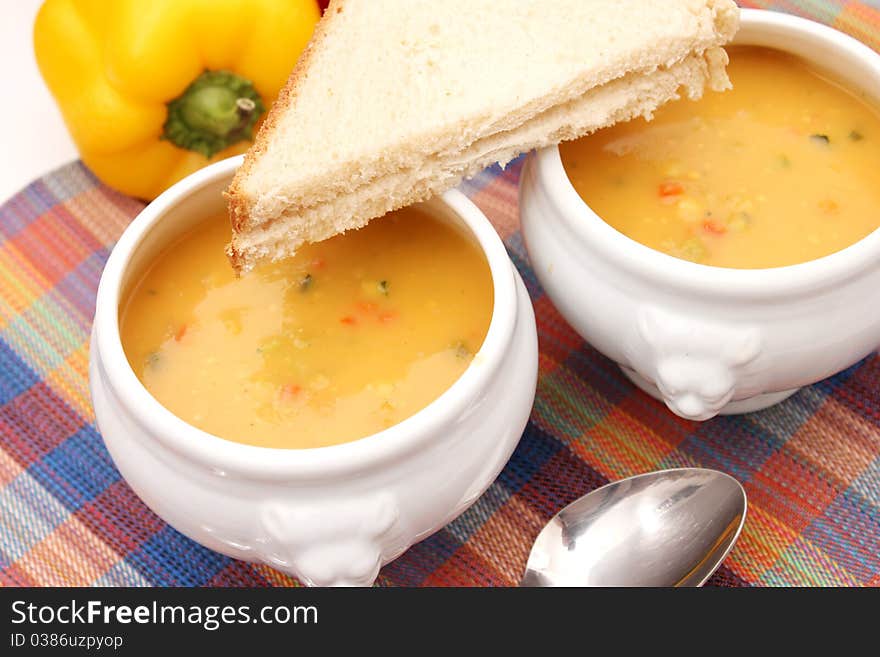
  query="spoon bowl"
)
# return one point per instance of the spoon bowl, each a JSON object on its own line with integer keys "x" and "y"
{"x": 667, "y": 528}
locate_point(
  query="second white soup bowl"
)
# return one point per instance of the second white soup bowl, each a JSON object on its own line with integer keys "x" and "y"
{"x": 709, "y": 340}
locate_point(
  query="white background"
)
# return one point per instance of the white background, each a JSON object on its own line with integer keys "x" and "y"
{"x": 33, "y": 138}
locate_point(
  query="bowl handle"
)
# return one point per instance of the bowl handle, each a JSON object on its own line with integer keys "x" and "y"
{"x": 696, "y": 365}
{"x": 330, "y": 543}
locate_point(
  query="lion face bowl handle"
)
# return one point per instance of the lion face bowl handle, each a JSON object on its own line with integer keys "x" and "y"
{"x": 333, "y": 543}
{"x": 696, "y": 365}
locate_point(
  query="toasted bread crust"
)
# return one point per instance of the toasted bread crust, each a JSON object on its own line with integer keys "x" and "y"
{"x": 237, "y": 201}
{"x": 235, "y": 258}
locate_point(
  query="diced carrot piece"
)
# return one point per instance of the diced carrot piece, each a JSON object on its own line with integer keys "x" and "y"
{"x": 670, "y": 188}
{"x": 318, "y": 263}
{"x": 714, "y": 227}
{"x": 180, "y": 333}
{"x": 348, "y": 320}
{"x": 366, "y": 307}
{"x": 387, "y": 317}
{"x": 290, "y": 391}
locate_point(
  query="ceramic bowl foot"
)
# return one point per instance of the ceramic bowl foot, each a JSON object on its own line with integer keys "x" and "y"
{"x": 756, "y": 403}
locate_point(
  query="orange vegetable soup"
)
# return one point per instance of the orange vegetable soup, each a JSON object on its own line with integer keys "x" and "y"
{"x": 783, "y": 169}
{"x": 349, "y": 337}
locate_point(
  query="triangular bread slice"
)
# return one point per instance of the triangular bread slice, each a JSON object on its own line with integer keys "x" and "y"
{"x": 394, "y": 101}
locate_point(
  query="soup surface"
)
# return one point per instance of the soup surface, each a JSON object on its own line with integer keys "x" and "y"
{"x": 350, "y": 336}
{"x": 782, "y": 169}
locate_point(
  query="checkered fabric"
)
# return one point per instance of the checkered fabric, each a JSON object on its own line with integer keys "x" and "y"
{"x": 811, "y": 465}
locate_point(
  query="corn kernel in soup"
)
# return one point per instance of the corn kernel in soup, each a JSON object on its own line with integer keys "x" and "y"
{"x": 782, "y": 169}
{"x": 348, "y": 337}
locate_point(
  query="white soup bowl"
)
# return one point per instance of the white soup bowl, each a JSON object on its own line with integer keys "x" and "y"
{"x": 330, "y": 515}
{"x": 709, "y": 340}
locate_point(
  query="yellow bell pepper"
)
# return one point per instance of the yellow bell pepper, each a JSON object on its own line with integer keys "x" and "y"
{"x": 152, "y": 90}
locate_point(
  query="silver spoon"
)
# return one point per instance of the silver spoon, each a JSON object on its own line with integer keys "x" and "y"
{"x": 667, "y": 528}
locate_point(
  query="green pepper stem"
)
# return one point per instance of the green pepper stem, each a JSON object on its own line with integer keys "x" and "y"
{"x": 245, "y": 106}
{"x": 216, "y": 110}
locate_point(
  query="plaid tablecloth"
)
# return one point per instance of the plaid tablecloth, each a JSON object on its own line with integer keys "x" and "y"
{"x": 811, "y": 465}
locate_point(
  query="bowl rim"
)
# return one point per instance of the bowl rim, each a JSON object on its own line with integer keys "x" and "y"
{"x": 720, "y": 282}
{"x": 228, "y": 457}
